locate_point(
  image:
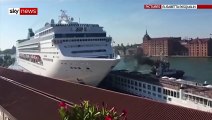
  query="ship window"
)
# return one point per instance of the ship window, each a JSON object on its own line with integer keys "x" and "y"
{"x": 159, "y": 89}
{"x": 136, "y": 88}
{"x": 189, "y": 97}
{"x": 193, "y": 98}
{"x": 89, "y": 51}
{"x": 144, "y": 91}
{"x": 144, "y": 85}
{"x": 139, "y": 84}
{"x": 172, "y": 94}
{"x": 140, "y": 90}
{"x": 149, "y": 92}
{"x": 153, "y": 88}
{"x": 136, "y": 83}
{"x": 164, "y": 97}
{"x": 132, "y": 82}
{"x": 205, "y": 102}
{"x": 210, "y": 103}
{"x": 154, "y": 94}
{"x": 128, "y": 81}
{"x": 197, "y": 99}
{"x": 169, "y": 99}
{"x": 175, "y": 95}
{"x": 178, "y": 94}
{"x": 168, "y": 92}
{"x": 149, "y": 87}
{"x": 201, "y": 100}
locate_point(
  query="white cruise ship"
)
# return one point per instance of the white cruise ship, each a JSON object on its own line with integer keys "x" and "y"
{"x": 169, "y": 90}
{"x": 69, "y": 51}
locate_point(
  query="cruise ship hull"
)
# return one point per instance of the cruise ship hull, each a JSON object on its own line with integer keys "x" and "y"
{"x": 81, "y": 70}
{"x": 68, "y": 50}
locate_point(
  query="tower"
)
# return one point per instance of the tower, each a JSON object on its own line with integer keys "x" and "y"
{"x": 146, "y": 36}
{"x": 146, "y": 44}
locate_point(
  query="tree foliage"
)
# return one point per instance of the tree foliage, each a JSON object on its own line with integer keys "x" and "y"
{"x": 6, "y": 61}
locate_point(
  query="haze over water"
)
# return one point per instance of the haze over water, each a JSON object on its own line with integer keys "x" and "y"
{"x": 196, "y": 69}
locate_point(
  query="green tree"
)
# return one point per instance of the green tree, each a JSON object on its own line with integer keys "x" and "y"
{"x": 7, "y": 61}
{"x": 7, "y": 57}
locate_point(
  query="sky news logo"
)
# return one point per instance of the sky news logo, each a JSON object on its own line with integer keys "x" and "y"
{"x": 23, "y": 11}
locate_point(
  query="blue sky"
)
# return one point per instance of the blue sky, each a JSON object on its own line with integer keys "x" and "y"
{"x": 124, "y": 20}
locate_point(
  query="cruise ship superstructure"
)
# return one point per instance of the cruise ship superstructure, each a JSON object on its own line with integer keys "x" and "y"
{"x": 168, "y": 90}
{"x": 69, "y": 51}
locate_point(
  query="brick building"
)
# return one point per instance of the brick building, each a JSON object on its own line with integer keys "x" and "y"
{"x": 158, "y": 46}
{"x": 199, "y": 47}
{"x": 168, "y": 46}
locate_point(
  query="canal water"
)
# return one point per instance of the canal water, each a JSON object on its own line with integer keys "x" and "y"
{"x": 196, "y": 69}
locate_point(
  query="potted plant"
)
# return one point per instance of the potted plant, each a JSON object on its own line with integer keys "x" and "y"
{"x": 87, "y": 111}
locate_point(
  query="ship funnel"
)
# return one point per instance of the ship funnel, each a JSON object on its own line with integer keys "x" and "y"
{"x": 52, "y": 21}
{"x": 30, "y": 33}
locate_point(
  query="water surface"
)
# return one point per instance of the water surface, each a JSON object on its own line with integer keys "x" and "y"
{"x": 196, "y": 69}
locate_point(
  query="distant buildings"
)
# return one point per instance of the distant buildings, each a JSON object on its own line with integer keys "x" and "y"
{"x": 9, "y": 51}
{"x": 199, "y": 47}
{"x": 160, "y": 46}
{"x": 129, "y": 50}
{"x": 168, "y": 46}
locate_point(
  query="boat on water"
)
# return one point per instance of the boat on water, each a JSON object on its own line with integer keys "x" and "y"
{"x": 165, "y": 89}
{"x": 68, "y": 50}
{"x": 164, "y": 70}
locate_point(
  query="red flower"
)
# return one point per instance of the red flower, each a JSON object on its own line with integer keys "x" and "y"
{"x": 63, "y": 104}
{"x": 108, "y": 117}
